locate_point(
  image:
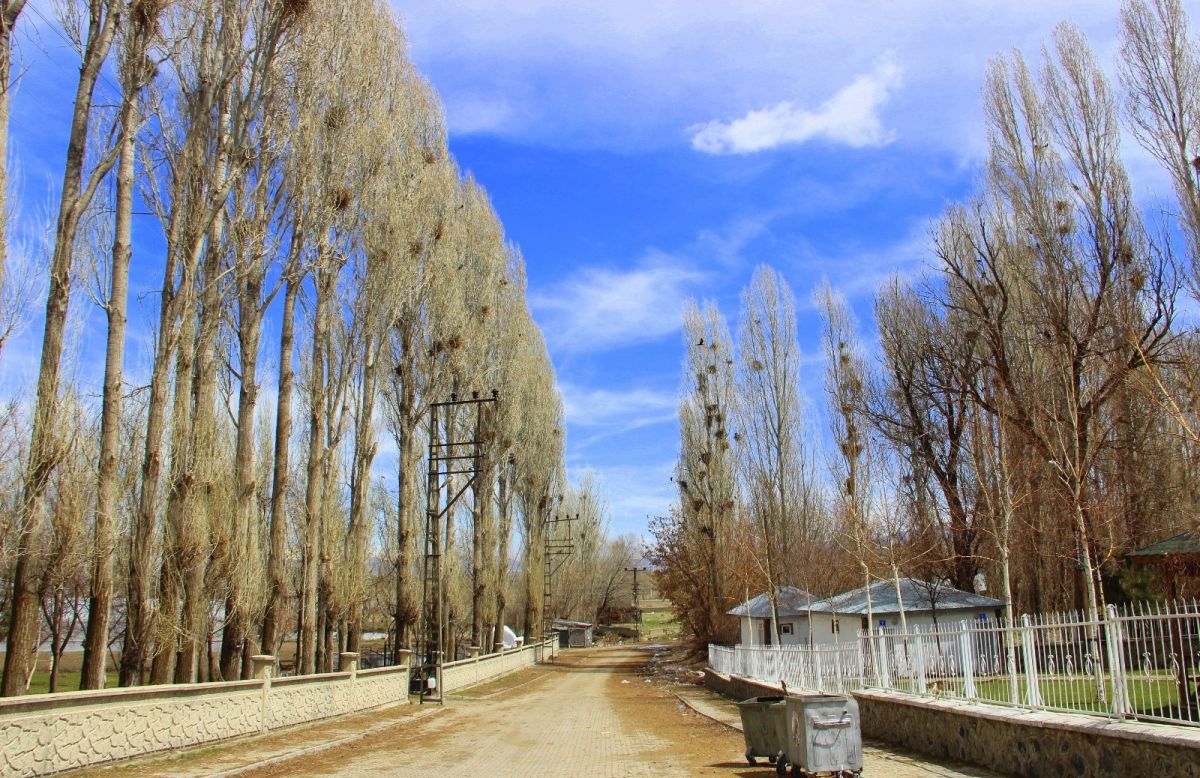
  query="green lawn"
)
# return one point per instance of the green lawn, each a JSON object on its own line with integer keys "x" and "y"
{"x": 658, "y": 623}
{"x": 1076, "y": 692}
{"x": 68, "y": 681}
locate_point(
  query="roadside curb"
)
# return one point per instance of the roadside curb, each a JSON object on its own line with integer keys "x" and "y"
{"x": 699, "y": 710}
{"x": 461, "y": 698}
{"x": 329, "y": 745}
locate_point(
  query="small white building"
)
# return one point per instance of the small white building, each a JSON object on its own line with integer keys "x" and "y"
{"x": 755, "y": 614}
{"x": 806, "y": 620}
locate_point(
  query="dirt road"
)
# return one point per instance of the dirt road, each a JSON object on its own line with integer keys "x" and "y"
{"x": 593, "y": 713}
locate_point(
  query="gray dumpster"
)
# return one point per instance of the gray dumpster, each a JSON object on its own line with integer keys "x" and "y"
{"x": 764, "y": 725}
{"x": 824, "y": 737}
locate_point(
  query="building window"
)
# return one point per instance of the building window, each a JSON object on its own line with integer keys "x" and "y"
{"x": 836, "y": 626}
{"x": 785, "y": 629}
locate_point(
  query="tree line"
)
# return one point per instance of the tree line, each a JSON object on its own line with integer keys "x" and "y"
{"x": 273, "y": 178}
{"x": 1028, "y": 413}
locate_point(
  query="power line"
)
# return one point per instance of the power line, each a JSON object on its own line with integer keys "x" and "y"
{"x": 53, "y": 25}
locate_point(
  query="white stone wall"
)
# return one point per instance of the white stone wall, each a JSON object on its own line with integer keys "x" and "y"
{"x": 467, "y": 672}
{"x": 55, "y": 732}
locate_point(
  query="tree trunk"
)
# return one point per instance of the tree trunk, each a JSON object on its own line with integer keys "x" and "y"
{"x": 406, "y": 506}
{"x": 364, "y": 456}
{"x": 313, "y": 499}
{"x": 95, "y": 649}
{"x": 501, "y": 571}
{"x": 279, "y": 473}
{"x": 44, "y": 448}
{"x": 141, "y": 553}
{"x": 249, "y": 335}
{"x": 176, "y": 542}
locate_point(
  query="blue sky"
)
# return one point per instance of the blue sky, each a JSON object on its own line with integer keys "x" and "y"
{"x": 641, "y": 153}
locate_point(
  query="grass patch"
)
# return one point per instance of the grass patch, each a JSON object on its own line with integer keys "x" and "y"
{"x": 657, "y": 624}
{"x": 68, "y": 681}
{"x": 1146, "y": 694}
{"x": 1079, "y": 692}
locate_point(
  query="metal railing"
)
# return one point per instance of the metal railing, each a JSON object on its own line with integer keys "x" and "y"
{"x": 1141, "y": 661}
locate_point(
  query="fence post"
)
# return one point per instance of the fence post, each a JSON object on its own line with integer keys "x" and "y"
{"x": 883, "y": 667}
{"x": 965, "y": 647}
{"x": 263, "y": 665}
{"x": 1010, "y": 662}
{"x": 349, "y": 664}
{"x": 1033, "y": 696}
{"x": 922, "y": 686}
{"x": 1115, "y": 638}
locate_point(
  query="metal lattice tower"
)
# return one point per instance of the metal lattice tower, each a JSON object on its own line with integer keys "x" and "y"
{"x": 447, "y": 459}
{"x": 555, "y": 553}
{"x": 637, "y": 601}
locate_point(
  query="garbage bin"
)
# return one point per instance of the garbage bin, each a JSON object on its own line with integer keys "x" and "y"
{"x": 824, "y": 737}
{"x": 764, "y": 725}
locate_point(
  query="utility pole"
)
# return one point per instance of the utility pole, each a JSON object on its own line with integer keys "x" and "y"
{"x": 555, "y": 546}
{"x": 637, "y": 606}
{"x": 447, "y": 459}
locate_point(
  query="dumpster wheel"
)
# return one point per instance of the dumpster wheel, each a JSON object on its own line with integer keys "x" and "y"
{"x": 750, "y": 758}
{"x": 781, "y": 765}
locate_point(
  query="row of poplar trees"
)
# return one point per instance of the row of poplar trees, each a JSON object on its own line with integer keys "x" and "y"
{"x": 271, "y": 180}
{"x": 1030, "y": 411}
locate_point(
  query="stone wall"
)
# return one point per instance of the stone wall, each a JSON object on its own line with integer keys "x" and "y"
{"x": 53, "y": 732}
{"x": 49, "y": 733}
{"x": 736, "y": 687}
{"x": 1029, "y": 743}
{"x": 468, "y": 672}
{"x": 1008, "y": 740}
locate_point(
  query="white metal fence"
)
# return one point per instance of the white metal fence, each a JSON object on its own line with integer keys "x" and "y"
{"x": 1141, "y": 662}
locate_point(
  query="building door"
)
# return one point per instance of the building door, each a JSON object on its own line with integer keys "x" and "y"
{"x": 766, "y": 632}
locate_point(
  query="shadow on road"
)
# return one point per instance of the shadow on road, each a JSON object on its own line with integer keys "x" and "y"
{"x": 743, "y": 769}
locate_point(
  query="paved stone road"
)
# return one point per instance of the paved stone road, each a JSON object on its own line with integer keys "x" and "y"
{"x": 594, "y": 714}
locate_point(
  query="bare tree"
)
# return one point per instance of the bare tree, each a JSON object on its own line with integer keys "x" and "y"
{"x": 706, "y": 471}
{"x": 136, "y": 70}
{"x": 845, "y": 386}
{"x": 775, "y": 471}
{"x": 10, "y": 12}
{"x": 1160, "y": 71}
{"x": 94, "y": 39}
{"x": 1069, "y": 297}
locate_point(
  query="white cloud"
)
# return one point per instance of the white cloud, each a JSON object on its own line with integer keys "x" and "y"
{"x": 599, "y": 308}
{"x": 622, "y": 408}
{"x": 859, "y": 272}
{"x": 850, "y": 117}
{"x": 468, "y": 113}
{"x": 626, "y": 74}
{"x": 634, "y": 492}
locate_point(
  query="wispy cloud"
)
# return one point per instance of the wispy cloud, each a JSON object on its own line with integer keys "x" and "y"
{"x": 860, "y": 272}
{"x": 611, "y": 412}
{"x": 634, "y": 492}
{"x": 850, "y": 117}
{"x": 651, "y": 68}
{"x": 472, "y": 113}
{"x": 597, "y": 308}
